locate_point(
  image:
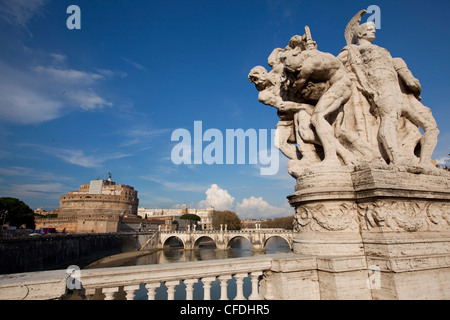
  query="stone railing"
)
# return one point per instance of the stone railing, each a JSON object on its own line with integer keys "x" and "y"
{"x": 246, "y": 231}
{"x": 282, "y": 276}
{"x": 113, "y": 283}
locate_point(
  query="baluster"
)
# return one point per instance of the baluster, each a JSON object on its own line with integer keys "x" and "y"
{"x": 151, "y": 290}
{"x": 207, "y": 287}
{"x": 131, "y": 291}
{"x": 109, "y": 292}
{"x": 171, "y": 289}
{"x": 239, "y": 285}
{"x": 190, "y": 288}
{"x": 89, "y": 293}
{"x": 224, "y": 286}
{"x": 255, "y": 281}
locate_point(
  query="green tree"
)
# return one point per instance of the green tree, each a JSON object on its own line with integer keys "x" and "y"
{"x": 228, "y": 218}
{"x": 193, "y": 218}
{"x": 16, "y": 213}
{"x": 284, "y": 223}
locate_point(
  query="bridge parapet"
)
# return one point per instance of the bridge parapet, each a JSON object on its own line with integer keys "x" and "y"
{"x": 258, "y": 237}
{"x": 124, "y": 282}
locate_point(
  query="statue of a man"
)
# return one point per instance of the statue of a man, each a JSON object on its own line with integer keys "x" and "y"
{"x": 312, "y": 65}
{"x": 389, "y": 85}
{"x": 269, "y": 85}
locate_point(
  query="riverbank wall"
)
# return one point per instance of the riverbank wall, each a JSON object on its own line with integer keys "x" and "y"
{"x": 58, "y": 251}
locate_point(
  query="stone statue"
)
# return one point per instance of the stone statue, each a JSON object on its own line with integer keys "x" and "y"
{"x": 388, "y": 84}
{"x": 366, "y": 192}
{"x": 362, "y": 106}
{"x": 295, "y": 113}
{"x": 320, "y": 67}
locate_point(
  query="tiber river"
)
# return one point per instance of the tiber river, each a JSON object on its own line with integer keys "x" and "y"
{"x": 240, "y": 247}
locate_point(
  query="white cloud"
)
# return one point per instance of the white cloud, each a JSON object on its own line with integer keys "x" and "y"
{"x": 68, "y": 76}
{"x": 218, "y": 198}
{"x": 134, "y": 64}
{"x": 44, "y": 190}
{"x": 24, "y": 104}
{"x": 251, "y": 207}
{"x": 443, "y": 161}
{"x": 141, "y": 137}
{"x": 179, "y": 186}
{"x": 77, "y": 156}
{"x": 30, "y": 173}
{"x": 258, "y": 208}
{"x": 39, "y": 94}
{"x": 20, "y": 12}
{"x": 88, "y": 100}
{"x": 58, "y": 58}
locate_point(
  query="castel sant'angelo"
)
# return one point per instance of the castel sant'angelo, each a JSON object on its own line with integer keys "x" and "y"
{"x": 96, "y": 207}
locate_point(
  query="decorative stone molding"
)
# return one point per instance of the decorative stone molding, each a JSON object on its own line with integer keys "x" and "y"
{"x": 328, "y": 217}
{"x": 404, "y": 215}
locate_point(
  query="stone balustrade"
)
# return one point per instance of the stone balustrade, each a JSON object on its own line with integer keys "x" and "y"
{"x": 282, "y": 276}
{"x": 53, "y": 284}
{"x": 245, "y": 231}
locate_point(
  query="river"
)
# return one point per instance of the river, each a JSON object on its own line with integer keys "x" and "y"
{"x": 240, "y": 247}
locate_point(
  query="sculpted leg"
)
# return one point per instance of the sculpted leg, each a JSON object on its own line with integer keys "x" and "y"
{"x": 388, "y": 109}
{"x": 422, "y": 116}
{"x": 329, "y": 102}
{"x": 281, "y": 140}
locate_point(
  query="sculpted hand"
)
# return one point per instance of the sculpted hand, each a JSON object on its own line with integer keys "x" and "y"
{"x": 414, "y": 85}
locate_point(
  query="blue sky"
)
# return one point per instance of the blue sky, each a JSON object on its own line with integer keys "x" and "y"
{"x": 76, "y": 104}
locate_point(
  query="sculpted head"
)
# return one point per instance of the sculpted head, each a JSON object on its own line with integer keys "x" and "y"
{"x": 258, "y": 75}
{"x": 296, "y": 41}
{"x": 366, "y": 31}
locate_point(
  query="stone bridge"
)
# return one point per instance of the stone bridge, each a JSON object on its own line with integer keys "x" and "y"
{"x": 192, "y": 239}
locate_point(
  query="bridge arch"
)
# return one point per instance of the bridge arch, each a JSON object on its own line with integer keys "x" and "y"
{"x": 279, "y": 236}
{"x": 204, "y": 238}
{"x": 172, "y": 238}
{"x": 239, "y": 236}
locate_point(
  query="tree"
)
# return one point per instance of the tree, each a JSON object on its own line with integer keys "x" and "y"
{"x": 284, "y": 223}
{"x": 228, "y": 218}
{"x": 16, "y": 212}
{"x": 193, "y": 218}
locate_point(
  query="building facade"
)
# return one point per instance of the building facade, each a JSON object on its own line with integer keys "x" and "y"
{"x": 97, "y": 207}
{"x": 205, "y": 215}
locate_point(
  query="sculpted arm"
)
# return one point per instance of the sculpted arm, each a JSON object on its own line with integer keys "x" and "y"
{"x": 307, "y": 68}
{"x": 362, "y": 83}
{"x": 405, "y": 74}
{"x": 270, "y": 98}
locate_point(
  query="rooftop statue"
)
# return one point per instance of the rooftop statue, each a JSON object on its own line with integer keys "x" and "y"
{"x": 362, "y": 106}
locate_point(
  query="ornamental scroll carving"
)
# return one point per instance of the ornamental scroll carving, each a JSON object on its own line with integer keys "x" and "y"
{"x": 330, "y": 217}
{"x": 404, "y": 215}
{"x": 386, "y": 215}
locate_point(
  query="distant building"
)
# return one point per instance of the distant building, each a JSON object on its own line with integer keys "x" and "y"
{"x": 41, "y": 212}
{"x": 100, "y": 197}
{"x": 162, "y": 214}
{"x": 97, "y": 207}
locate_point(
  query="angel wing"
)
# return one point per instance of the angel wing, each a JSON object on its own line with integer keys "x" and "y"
{"x": 352, "y": 25}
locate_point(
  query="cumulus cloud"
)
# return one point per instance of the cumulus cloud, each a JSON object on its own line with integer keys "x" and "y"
{"x": 252, "y": 207}
{"x": 259, "y": 208}
{"x": 443, "y": 161}
{"x": 217, "y": 198}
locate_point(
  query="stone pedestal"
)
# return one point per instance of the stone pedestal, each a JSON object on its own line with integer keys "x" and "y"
{"x": 386, "y": 228}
